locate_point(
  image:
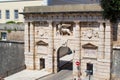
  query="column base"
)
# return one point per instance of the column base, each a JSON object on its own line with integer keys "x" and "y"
{"x": 49, "y": 70}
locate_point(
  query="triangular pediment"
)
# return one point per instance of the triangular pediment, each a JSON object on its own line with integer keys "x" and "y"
{"x": 89, "y": 46}
{"x": 42, "y": 43}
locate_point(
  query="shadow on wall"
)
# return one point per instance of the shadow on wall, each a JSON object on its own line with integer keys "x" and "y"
{"x": 11, "y": 57}
{"x": 115, "y": 31}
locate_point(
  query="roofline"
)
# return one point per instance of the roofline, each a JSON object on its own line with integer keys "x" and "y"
{"x": 59, "y": 12}
{"x": 63, "y": 8}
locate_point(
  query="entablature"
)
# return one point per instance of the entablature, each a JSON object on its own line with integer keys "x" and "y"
{"x": 81, "y": 16}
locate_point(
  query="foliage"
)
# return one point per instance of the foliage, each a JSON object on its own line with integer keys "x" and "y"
{"x": 15, "y": 29}
{"x": 111, "y": 9}
{"x": 10, "y": 22}
{"x": 9, "y": 31}
{"x": 19, "y": 22}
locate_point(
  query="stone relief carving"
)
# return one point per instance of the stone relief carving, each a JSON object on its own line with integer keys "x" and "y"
{"x": 90, "y": 53}
{"x": 42, "y": 33}
{"x": 64, "y": 42}
{"x": 63, "y": 29}
{"x": 90, "y": 33}
{"x": 42, "y": 43}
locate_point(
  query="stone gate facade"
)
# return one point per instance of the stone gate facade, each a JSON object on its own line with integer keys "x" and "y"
{"x": 80, "y": 27}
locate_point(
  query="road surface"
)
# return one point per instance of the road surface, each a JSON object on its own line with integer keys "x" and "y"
{"x": 64, "y": 74}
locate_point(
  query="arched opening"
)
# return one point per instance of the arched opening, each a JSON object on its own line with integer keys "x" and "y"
{"x": 64, "y": 58}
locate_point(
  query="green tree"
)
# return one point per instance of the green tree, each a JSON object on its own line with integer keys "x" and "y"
{"x": 111, "y": 10}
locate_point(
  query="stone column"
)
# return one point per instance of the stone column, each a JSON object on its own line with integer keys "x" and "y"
{"x": 49, "y": 59}
{"x": 29, "y": 46}
{"x": 77, "y": 52}
{"x": 118, "y": 33}
{"x": 108, "y": 49}
{"x": 26, "y": 37}
{"x": 108, "y": 41}
{"x": 104, "y": 52}
{"x": 101, "y": 47}
{"x": 26, "y": 43}
{"x": 32, "y": 47}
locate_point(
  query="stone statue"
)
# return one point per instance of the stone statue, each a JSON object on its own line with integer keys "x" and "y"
{"x": 63, "y": 30}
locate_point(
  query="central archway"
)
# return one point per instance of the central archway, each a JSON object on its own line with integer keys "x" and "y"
{"x": 64, "y": 58}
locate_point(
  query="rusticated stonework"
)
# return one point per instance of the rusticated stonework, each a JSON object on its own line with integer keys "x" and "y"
{"x": 86, "y": 34}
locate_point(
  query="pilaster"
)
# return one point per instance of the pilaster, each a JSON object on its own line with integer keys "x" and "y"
{"x": 49, "y": 59}
{"x": 104, "y": 52}
{"x": 26, "y": 37}
{"x": 76, "y": 56}
{"x": 26, "y": 46}
{"x": 101, "y": 48}
{"x": 108, "y": 41}
{"x": 29, "y": 46}
{"x": 32, "y": 43}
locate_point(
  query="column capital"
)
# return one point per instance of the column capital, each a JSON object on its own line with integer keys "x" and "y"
{"x": 50, "y": 24}
{"x": 26, "y": 23}
{"x": 107, "y": 23}
{"x": 77, "y": 25}
{"x": 77, "y": 22}
{"x": 49, "y": 21}
{"x": 31, "y": 23}
{"x": 101, "y": 21}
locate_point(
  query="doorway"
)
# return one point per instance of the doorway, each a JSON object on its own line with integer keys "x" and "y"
{"x": 90, "y": 68}
{"x": 42, "y": 63}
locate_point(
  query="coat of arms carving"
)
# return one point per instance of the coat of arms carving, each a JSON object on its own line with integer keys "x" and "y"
{"x": 90, "y": 33}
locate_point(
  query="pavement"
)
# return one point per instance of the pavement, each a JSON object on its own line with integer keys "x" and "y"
{"x": 65, "y": 73}
{"x": 28, "y": 75}
{"x": 38, "y": 74}
{"x": 62, "y": 75}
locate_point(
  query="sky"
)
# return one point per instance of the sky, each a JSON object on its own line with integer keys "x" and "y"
{"x": 5, "y": 0}
{"x": 9, "y": 0}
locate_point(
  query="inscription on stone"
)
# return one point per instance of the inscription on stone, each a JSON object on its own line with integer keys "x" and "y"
{"x": 42, "y": 49}
{"x": 90, "y": 53}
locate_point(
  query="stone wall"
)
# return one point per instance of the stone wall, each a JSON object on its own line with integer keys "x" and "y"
{"x": 11, "y": 57}
{"x": 15, "y": 32}
{"x": 116, "y": 52}
{"x": 116, "y": 34}
{"x": 116, "y": 64}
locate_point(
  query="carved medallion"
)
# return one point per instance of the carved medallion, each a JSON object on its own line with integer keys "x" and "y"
{"x": 90, "y": 33}
{"x": 43, "y": 33}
